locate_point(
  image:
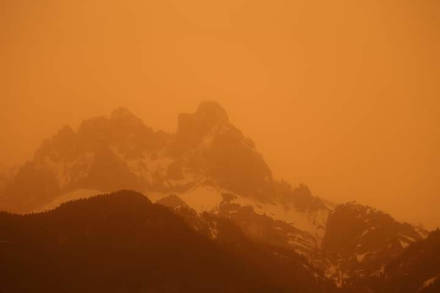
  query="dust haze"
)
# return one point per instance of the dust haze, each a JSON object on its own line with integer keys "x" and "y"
{"x": 342, "y": 96}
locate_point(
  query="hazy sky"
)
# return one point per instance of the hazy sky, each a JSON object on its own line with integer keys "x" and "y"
{"x": 341, "y": 95}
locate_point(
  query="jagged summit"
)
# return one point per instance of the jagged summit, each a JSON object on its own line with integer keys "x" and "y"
{"x": 122, "y": 112}
{"x": 192, "y": 128}
{"x": 212, "y": 110}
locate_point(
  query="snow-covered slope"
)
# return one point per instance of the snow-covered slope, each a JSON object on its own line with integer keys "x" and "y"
{"x": 269, "y": 222}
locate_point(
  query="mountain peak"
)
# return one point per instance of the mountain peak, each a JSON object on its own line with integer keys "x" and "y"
{"x": 213, "y": 111}
{"x": 192, "y": 127}
{"x": 122, "y": 113}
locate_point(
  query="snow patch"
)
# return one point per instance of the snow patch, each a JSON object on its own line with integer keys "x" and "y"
{"x": 404, "y": 244}
{"x": 309, "y": 221}
{"x": 360, "y": 257}
{"x": 64, "y": 170}
{"x": 379, "y": 272}
{"x": 203, "y": 198}
{"x": 430, "y": 282}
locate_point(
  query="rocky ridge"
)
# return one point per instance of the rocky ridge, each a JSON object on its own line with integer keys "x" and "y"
{"x": 208, "y": 170}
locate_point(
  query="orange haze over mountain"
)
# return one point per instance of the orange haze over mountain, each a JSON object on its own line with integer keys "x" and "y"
{"x": 341, "y": 95}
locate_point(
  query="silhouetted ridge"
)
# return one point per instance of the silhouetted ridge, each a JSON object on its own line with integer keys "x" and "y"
{"x": 122, "y": 198}
{"x": 122, "y": 130}
{"x": 121, "y": 242}
{"x": 172, "y": 201}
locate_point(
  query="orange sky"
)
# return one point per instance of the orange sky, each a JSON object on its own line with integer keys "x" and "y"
{"x": 341, "y": 95}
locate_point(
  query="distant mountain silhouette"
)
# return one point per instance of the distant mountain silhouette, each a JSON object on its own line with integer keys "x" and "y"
{"x": 119, "y": 151}
{"x": 121, "y": 242}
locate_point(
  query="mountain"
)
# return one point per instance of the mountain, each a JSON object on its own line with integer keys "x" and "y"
{"x": 417, "y": 269}
{"x": 205, "y": 158}
{"x": 360, "y": 241}
{"x": 209, "y": 173}
{"x": 122, "y": 242}
{"x": 91, "y": 158}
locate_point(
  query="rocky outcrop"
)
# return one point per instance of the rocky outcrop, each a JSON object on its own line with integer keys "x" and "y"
{"x": 360, "y": 241}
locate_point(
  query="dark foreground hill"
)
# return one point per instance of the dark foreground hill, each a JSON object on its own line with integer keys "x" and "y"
{"x": 122, "y": 242}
